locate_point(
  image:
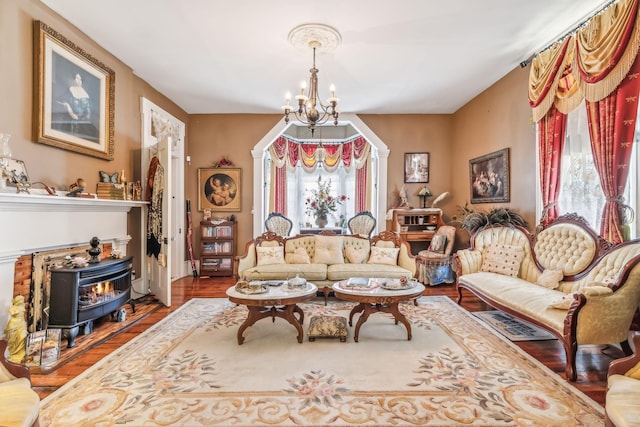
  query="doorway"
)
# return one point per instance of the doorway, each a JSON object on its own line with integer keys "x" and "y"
{"x": 379, "y": 187}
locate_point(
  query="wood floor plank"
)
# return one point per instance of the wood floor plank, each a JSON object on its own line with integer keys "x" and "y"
{"x": 592, "y": 361}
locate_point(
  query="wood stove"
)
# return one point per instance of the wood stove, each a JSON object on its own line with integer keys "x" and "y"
{"x": 81, "y": 295}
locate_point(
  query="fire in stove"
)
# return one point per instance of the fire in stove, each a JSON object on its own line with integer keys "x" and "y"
{"x": 97, "y": 294}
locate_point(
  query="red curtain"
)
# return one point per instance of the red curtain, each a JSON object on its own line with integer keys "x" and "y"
{"x": 551, "y": 134}
{"x": 279, "y": 176}
{"x": 612, "y": 123}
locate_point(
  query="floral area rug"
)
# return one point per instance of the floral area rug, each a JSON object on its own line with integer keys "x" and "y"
{"x": 188, "y": 370}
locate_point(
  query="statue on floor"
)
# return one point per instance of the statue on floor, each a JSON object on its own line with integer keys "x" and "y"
{"x": 16, "y": 330}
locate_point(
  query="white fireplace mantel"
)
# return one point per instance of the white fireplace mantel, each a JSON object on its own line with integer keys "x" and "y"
{"x": 35, "y": 222}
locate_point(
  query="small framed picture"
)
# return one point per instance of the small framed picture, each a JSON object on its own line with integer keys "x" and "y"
{"x": 15, "y": 170}
{"x": 416, "y": 167}
{"x": 219, "y": 189}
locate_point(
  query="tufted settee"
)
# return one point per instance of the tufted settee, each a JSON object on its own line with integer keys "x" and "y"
{"x": 566, "y": 280}
{"x": 325, "y": 259}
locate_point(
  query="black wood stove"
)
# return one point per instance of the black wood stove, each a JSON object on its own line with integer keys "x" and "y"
{"x": 80, "y": 295}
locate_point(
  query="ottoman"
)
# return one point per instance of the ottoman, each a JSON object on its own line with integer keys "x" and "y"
{"x": 328, "y": 326}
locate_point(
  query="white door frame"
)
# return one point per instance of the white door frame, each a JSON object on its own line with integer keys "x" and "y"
{"x": 258, "y": 153}
{"x": 148, "y": 110}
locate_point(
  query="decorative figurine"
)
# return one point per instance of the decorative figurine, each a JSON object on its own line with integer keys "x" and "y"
{"x": 95, "y": 251}
{"x": 77, "y": 187}
{"x": 16, "y": 330}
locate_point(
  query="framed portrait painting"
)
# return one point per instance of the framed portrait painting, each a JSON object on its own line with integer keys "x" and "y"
{"x": 489, "y": 177}
{"x": 416, "y": 167}
{"x": 74, "y": 98}
{"x": 219, "y": 189}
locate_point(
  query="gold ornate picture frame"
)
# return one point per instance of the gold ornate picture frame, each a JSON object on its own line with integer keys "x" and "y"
{"x": 74, "y": 96}
{"x": 489, "y": 177}
{"x": 219, "y": 189}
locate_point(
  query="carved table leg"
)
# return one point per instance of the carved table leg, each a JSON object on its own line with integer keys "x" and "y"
{"x": 371, "y": 308}
{"x": 357, "y": 309}
{"x": 286, "y": 313}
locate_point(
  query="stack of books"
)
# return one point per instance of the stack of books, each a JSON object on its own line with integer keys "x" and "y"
{"x": 111, "y": 191}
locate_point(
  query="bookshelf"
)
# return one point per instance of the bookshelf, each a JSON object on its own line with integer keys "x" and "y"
{"x": 217, "y": 248}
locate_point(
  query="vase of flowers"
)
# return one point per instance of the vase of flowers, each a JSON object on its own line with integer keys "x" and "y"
{"x": 321, "y": 203}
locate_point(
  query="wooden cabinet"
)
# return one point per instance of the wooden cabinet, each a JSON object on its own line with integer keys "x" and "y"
{"x": 416, "y": 226}
{"x": 217, "y": 248}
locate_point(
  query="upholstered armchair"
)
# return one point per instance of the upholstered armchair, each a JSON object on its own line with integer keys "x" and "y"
{"x": 362, "y": 224}
{"x": 434, "y": 263}
{"x": 623, "y": 389}
{"x": 279, "y": 224}
{"x": 19, "y": 404}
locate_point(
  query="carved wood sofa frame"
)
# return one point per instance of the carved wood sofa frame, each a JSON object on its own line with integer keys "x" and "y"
{"x": 621, "y": 262}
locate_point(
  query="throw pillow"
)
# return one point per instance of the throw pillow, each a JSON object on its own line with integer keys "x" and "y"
{"x": 299, "y": 256}
{"x": 550, "y": 278}
{"x": 562, "y": 303}
{"x": 596, "y": 289}
{"x": 438, "y": 244}
{"x": 388, "y": 256}
{"x": 328, "y": 250}
{"x": 356, "y": 256}
{"x": 502, "y": 259}
{"x": 270, "y": 255}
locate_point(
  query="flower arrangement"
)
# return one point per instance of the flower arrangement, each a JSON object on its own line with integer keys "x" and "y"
{"x": 222, "y": 163}
{"x": 320, "y": 203}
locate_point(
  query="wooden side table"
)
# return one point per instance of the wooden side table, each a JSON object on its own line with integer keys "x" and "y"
{"x": 279, "y": 301}
{"x": 377, "y": 299}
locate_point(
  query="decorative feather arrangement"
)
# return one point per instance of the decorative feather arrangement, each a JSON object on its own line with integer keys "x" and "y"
{"x": 439, "y": 199}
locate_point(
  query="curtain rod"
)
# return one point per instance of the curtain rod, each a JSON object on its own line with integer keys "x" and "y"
{"x": 567, "y": 34}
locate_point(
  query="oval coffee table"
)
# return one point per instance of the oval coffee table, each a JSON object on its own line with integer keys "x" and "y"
{"x": 279, "y": 301}
{"x": 377, "y": 299}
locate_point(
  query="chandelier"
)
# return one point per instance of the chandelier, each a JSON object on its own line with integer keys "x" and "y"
{"x": 310, "y": 110}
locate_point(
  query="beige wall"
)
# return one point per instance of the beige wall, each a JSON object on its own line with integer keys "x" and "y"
{"x": 51, "y": 165}
{"x": 500, "y": 117}
{"x": 212, "y": 136}
{"x": 497, "y": 118}
{"x": 414, "y": 133}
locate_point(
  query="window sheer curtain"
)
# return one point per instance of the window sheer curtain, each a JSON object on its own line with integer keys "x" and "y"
{"x": 287, "y": 153}
{"x": 597, "y": 64}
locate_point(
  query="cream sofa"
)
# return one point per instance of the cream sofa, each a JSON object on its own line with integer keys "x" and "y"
{"x": 19, "y": 404}
{"x": 623, "y": 390}
{"x": 329, "y": 258}
{"x": 598, "y": 284}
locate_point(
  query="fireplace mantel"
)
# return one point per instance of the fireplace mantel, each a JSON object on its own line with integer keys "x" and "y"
{"x": 36, "y": 222}
{"x": 44, "y": 203}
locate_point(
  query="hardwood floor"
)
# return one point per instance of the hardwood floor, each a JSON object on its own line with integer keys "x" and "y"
{"x": 592, "y": 361}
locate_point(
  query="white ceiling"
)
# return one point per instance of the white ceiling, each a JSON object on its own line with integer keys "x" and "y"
{"x": 402, "y": 56}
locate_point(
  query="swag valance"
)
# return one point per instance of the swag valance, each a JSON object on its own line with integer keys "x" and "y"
{"x": 589, "y": 64}
{"x": 288, "y": 151}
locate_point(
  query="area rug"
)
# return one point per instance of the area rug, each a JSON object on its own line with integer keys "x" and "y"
{"x": 188, "y": 370}
{"x": 512, "y": 328}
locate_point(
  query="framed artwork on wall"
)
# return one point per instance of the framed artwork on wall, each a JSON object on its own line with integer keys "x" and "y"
{"x": 219, "y": 189}
{"x": 416, "y": 167}
{"x": 489, "y": 177}
{"x": 74, "y": 96}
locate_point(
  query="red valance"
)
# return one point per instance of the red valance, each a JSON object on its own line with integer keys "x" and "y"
{"x": 590, "y": 64}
